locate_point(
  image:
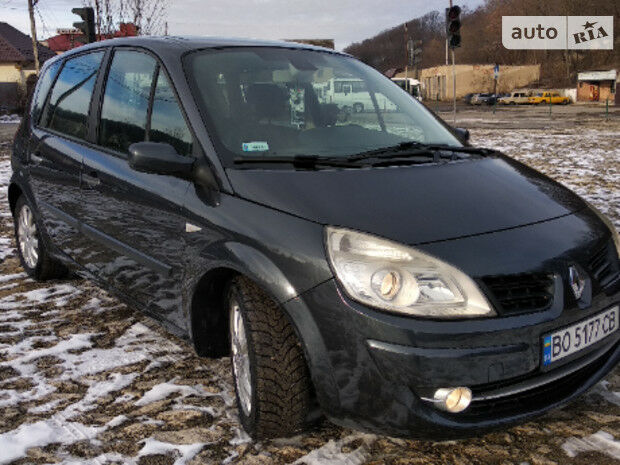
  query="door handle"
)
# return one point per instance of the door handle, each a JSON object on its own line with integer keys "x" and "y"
{"x": 91, "y": 180}
{"x": 36, "y": 159}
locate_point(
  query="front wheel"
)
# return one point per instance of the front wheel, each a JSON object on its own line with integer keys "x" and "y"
{"x": 31, "y": 249}
{"x": 272, "y": 382}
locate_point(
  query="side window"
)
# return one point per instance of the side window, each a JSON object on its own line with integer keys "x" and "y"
{"x": 45, "y": 83}
{"x": 126, "y": 100}
{"x": 70, "y": 99}
{"x": 167, "y": 122}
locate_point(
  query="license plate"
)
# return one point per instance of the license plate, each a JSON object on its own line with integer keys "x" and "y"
{"x": 574, "y": 338}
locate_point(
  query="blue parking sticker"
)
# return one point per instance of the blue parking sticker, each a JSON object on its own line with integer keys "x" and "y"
{"x": 547, "y": 350}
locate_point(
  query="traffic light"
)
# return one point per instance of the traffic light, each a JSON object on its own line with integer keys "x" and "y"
{"x": 87, "y": 26}
{"x": 414, "y": 50}
{"x": 453, "y": 26}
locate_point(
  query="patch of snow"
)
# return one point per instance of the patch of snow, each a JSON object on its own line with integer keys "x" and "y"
{"x": 602, "y": 389}
{"x": 600, "y": 441}
{"x": 99, "y": 389}
{"x": 241, "y": 437}
{"x": 10, "y": 119}
{"x": 14, "y": 444}
{"x": 117, "y": 421}
{"x": 45, "y": 407}
{"x": 187, "y": 451}
{"x": 163, "y": 390}
{"x": 331, "y": 452}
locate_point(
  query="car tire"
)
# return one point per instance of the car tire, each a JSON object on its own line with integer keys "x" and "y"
{"x": 271, "y": 379}
{"x": 358, "y": 107}
{"x": 31, "y": 248}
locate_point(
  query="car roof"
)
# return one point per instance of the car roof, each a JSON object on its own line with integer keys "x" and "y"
{"x": 182, "y": 44}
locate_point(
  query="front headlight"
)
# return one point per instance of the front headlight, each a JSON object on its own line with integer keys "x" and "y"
{"x": 394, "y": 277}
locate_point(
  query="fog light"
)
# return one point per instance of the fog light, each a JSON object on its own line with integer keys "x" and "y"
{"x": 453, "y": 399}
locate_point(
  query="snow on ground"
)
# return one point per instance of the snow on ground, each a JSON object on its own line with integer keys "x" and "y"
{"x": 9, "y": 119}
{"x": 86, "y": 380}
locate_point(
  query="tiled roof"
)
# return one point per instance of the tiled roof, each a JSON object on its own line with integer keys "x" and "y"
{"x": 15, "y": 46}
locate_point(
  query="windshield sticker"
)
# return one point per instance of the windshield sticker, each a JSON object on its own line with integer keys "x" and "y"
{"x": 255, "y": 146}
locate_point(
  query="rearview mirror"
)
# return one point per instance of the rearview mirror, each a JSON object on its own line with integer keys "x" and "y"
{"x": 159, "y": 158}
{"x": 462, "y": 134}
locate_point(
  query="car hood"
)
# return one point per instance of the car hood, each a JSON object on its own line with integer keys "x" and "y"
{"x": 413, "y": 204}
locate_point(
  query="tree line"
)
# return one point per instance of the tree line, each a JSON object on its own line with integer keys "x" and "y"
{"x": 482, "y": 40}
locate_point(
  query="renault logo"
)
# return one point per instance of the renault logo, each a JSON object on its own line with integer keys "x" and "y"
{"x": 577, "y": 283}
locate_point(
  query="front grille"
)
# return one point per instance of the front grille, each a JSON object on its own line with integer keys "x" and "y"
{"x": 520, "y": 293}
{"x": 604, "y": 267}
{"x": 536, "y": 398}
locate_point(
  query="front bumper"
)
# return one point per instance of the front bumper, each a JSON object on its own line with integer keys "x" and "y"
{"x": 372, "y": 370}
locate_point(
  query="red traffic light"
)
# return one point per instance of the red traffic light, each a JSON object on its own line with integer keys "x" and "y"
{"x": 454, "y": 12}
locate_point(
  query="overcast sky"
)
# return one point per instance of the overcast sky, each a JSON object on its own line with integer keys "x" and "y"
{"x": 346, "y": 21}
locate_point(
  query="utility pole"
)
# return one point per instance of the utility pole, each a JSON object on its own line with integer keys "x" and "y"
{"x": 453, "y": 40}
{"x": 33, "y": 33}
{"x": 406, "y": 30}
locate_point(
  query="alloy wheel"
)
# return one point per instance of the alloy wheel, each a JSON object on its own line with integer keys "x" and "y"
{"x": 240, "y": 358}
{"x": 27, "y": 237}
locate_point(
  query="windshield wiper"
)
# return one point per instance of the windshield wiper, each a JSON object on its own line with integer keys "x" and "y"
{"x": 299, "y": 161}
{"x": 413, "y": 149}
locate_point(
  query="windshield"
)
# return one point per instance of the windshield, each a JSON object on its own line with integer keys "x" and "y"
{"x": 267, "y": 101}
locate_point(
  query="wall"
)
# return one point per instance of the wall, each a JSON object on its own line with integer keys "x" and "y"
{"x": 604, "y": 90}
{"x": 10, "y": 72}
{"x": 437, "y": 81}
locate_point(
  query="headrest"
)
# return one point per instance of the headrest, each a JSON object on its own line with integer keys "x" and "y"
{"x": 267, "y": 100}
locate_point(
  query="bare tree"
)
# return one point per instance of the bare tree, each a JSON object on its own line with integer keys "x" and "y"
{"x": 482, "y": 43}
{"x": 147, "y": 15}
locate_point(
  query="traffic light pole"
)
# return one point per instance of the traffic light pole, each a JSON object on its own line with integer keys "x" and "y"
{"x": 452, "y": 18}
{"x": 453, "y": 89}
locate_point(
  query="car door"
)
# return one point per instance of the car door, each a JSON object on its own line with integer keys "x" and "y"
{"x": 56, "y": 151}
{"x": 137, "y": 217}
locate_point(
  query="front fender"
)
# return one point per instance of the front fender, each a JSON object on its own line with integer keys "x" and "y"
{"x": 249, "y": 262}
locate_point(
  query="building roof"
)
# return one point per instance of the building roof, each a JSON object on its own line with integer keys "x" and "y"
{"x": 15, "y": 46}
{"x": 70, "y": 39}
{"x": 609, "y": 75}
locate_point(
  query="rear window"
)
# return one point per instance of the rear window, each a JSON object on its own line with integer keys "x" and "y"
{"x": 71, "y": 95}
{"x": 45, "y": 83}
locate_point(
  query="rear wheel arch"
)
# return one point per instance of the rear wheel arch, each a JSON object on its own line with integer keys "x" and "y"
{"x": 15, "y": 192}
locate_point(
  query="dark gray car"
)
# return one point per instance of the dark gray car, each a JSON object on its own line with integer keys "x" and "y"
{"x": 372, "y": 264}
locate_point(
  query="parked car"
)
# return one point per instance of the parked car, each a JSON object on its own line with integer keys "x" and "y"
{"x": 514, "y": 98}
{"x": 392, "y": 274}
{"x": 549, "y": 97}
{"x": 468, "y": 98}
{"x": 487, "y": 99}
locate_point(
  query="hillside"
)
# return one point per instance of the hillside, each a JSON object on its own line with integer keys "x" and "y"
{"x": 481, "y": 39}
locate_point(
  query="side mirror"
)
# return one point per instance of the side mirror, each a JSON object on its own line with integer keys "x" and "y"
{"x": 462, "y": 134}
{"x": 159, "y": 158}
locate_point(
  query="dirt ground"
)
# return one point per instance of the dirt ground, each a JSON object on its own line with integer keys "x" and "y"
{"x": 85, "y": 379}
